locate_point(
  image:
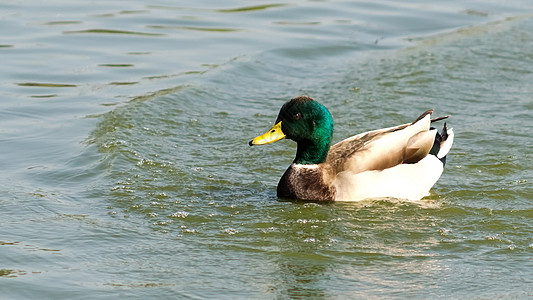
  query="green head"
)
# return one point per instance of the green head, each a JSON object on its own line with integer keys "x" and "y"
{"x": 306, "y": 122}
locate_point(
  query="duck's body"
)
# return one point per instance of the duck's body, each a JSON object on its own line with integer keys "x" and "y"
{"x": 400, "y": 162}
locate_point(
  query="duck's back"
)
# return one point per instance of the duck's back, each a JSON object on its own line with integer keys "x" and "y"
{"x": 383, "y": 148}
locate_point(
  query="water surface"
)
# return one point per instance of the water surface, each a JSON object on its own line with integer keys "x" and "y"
{"x": 127, "y": 174}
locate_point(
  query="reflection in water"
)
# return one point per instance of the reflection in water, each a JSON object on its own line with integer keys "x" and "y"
{"x": 300, "y": 277}
{"x": 302, "y": 268}
{"x": 356, "y": 249}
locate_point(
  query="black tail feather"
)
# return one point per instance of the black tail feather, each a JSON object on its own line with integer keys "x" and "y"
{"x": 430, "y": 112}
{"x": 440, "y": 118}
{"x": 439, "y": 139}
{"x": 444, "y": 132}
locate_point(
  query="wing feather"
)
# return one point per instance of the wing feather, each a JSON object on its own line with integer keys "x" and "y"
{"x": 383, "y": 148}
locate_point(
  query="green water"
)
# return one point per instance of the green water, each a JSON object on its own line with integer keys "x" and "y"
{"x": 126, "y": 171}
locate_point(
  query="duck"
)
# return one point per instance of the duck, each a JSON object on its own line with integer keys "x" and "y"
{"x": 402, "y": 162}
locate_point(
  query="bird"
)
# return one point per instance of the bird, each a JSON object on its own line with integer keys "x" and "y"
{"x": 402, "y": 162}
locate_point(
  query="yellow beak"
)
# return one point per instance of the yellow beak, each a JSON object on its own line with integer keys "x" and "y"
{"x": 274, "y": 134}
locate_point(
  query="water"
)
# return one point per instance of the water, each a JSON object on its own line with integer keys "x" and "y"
{"x": 127, "y": 174}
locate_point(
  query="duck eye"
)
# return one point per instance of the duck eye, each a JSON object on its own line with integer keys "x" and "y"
{"x": 297, "y": 116}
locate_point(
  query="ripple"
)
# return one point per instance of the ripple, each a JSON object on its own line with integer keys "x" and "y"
{"x": 293, "y": 23}
{"x": 42, "y": 84}
{"x": 222, "y": 10}
{"x": 123, "y": 83}
{"x": 117, "y": 65}
{"x": 44, "y": 96}
{"x": 195, "y": 28}
{"x": 251, "y": 8}
{"x": 131, "y": 12}
{"x": 9, "y": 273}
{"x": 112, "y": 31}
{"x": 55, "y": 23}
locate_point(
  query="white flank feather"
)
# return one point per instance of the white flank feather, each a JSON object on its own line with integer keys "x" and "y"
{"x": 404, "y": 181}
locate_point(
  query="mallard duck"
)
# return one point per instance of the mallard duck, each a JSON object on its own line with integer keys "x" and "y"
{"x": 404, "y": 161}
